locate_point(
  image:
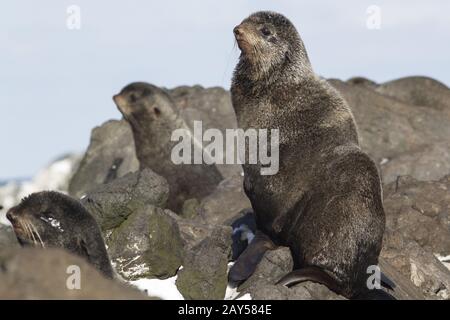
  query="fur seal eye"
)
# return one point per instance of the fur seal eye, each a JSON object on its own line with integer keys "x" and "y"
{"x": 265, "y": 31}
{"x": 133, "y": 98}
{"x": 157, "y": 111}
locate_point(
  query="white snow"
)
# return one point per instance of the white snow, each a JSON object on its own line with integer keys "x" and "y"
{"x": 444, "y": 259}
{"x": 246, "y": 296}
{"x": 164, "y": 289}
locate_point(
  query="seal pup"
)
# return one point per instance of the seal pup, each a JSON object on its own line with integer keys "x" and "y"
{"x": 52, "y": 219}
{"x": 153, "y": 118}
{"x": 325, "y": 203}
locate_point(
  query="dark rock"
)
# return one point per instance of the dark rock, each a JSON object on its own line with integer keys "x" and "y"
{"x": 227, "y": 200}
{"x": 204, "y": 273}
{"x": 420, "y": 211}
{"x": 111, "y": 154}
{"x": 147, "y": 244}
{"x": 7, "y": 237}
{"x": 112, "y": 203}
{"x": 244, "y": 230}
{"x": 274, "y": 265}
{"x": 32, "y": 273}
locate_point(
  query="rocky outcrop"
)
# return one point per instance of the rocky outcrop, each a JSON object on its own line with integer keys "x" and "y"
{"x": 204, "y": 273}
{"x": 111, "y": 154}
{"x": 113, "y": 202}
{"x": 55, "y": 176}
{"x": 7, "y": 237}
{"x": 146, "y": 245}
{"x": 419, "y": 211}
{"x": 55, "y": 274}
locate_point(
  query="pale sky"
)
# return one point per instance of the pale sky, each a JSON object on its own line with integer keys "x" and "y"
{"x": 57, "y": 84}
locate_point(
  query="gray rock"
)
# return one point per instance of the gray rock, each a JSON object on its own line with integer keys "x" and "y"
{"x": 423, "y": 269}
{"x": 192, "y": 232}
{"x": 153, "y": 118}
{"x": 213, "y": 107}
{"x": 274, "y": 265}
{"x": 420, "y": 211}
{"x": 227, "y": 200}
{"x": 113, "y": 202}
{"x": 419, "y": 91}
{"x": 32, "y": 273}
{"x": 204, "y": 273}
{"x": 390, "y": 129}
{"x": 111, "y": 154}
{"x": 147, "y": 244}
{"x": 7, "y": 237}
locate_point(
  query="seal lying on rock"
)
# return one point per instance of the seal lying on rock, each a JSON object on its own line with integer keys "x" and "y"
{"x": 325, "y": 203}
{"x": 52, "y": 219}
{"x": 153, "y": 118}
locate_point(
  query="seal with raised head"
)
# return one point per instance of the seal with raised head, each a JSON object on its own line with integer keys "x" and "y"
{"x": 325, "y": 203}
{"x": 153, "y": 118}
{"x": 52, "y": 219}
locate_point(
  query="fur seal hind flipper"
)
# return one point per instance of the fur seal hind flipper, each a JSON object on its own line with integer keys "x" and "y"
{"x": 247, "y": 262}
{"x": 313, "y": 274}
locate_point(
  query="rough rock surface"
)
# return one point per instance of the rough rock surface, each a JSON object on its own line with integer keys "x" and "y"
{"x": 146, "y": 245}
{"x": 227, "y": 200}
{"x": 402, "y": 138}
{"x": 420, "y": 211}
{"x": 7, "y": 237}
{"x": 111, "y": 154}
{"x": 44, "y": 274}
{"x": 204, "y": 273}
{"x": 420, "y": 266}
{"x": 113, "y": 202}
{"x": 274, "y": 265}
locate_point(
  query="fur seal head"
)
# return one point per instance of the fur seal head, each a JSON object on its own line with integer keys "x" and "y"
{"x": 269, "y": 42}
{"x": 52, "y": 219}
{"x": 140, "y": 100}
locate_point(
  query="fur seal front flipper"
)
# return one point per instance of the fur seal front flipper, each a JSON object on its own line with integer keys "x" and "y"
{"x": 247, "y": 262}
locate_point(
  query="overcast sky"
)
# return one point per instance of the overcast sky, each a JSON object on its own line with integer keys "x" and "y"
{"x": 56, "y": 84}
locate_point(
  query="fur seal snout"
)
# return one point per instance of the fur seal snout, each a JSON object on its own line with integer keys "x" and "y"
{"x": 325, "y": 203}
{"x": 52, "y": 219}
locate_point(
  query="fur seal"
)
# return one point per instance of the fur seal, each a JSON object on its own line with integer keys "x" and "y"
{"x": 325, "y": 203}
{"x": 52, "y": 219}
{"x": 153, "y": 117}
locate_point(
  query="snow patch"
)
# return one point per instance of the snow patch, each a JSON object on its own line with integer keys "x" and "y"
{"x": 164, "y": 289}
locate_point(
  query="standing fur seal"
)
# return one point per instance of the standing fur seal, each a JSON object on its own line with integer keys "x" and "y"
{"x": 52, "y": 219}
{"x": 153, "y": 117}
{"x": 325, "y": 203}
